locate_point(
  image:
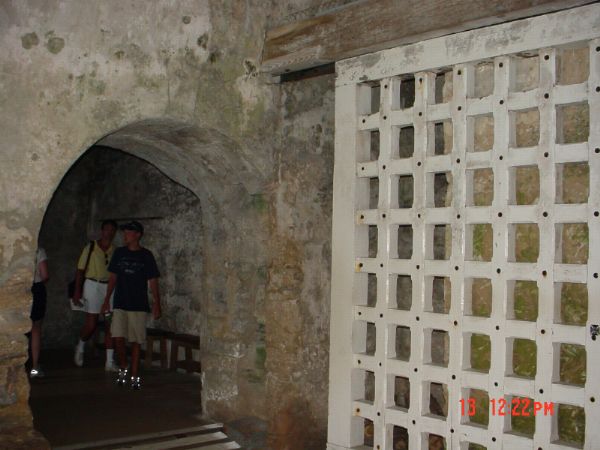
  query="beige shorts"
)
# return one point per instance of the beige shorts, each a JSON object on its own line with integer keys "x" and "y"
{"x": 129, "y": 324}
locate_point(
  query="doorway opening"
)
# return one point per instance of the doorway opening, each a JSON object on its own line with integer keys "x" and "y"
{"x": 103, "y": 184}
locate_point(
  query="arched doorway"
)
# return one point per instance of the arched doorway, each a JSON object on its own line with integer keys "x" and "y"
{"x": 193, "y": 188}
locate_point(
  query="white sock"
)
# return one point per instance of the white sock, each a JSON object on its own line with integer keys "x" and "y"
{"x": 80, "y": 345}
{"x": 109, "y": 354}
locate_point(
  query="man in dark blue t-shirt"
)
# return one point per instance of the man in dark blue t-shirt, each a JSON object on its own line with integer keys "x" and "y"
{"x": 132, "y": 269}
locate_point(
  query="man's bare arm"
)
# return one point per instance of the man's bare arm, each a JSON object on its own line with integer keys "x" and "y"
{"x": 43, "y": 266}
{"x": 112, "y": 281}
{"x": 156, "y": 309}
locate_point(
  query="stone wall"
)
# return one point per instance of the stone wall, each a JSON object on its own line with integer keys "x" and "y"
{"x": 178, "y": 87}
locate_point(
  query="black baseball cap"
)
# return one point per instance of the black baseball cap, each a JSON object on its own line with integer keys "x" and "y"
{"x": 134, "y": 225}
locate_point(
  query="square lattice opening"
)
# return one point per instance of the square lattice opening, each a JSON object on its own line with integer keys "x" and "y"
{"x": 572, "y": 182}
{"x": 525, "y": 128}
{"x": 439, "y": 242}
{"x": 570, "y": 425}
{"x": 369, "y": 387}
{"x": 373, "y": 193}
{"x": 401, "y": 392}
{"x": 438, "y": 294}
{"x": 524, "y": 357}
{"x": 371, "y": 347}
{"x": 480, "y": 187}
{"x": 438, "y": 399}
{"x": 572, "y": 243}
{"x": 364, "y": 338}
{"x": 399, "y": 437}
{"x": 522, "y": 300}
{"x": 405, "y": 241}
{"x": 572, "y": 363}
{"x": 473, "y": 446}
{"x": 443, "y": 86}
{"x": 476, "y": 407}
{"x": 524, "y": 185}
{"x": 371, "y": 290}
{"x": 365, "y": 382}
{"x": 439, "y": 347}
{"x": 478, "y": 296}
{"x": 374, "y": 145}
{"x": 403, "y": 292}
{"x": 407, "y": 92}
{"x": 522, "y": 419}
{"x": 483, "y": 80}
{"x": 572, "y": 308}
{"x": 402, "y": 343}
{"x": 439, "y": 193}
{"x": 480, "y": 133}
{"x": 479, "y": 244}
{"x": 572, "y": 65}
{"x": 433, "y": 441}
{"x": 524, "y": 242}
{"x": 572, "y": 123}
{"x": 368, "y": 433}
{"x": 405, "y": 191}
{"x": 525, "y": 72}
{"x": 373, "y": 241}
{"x": 479, "y": 351}
{"x": 375, "y": 97}
{"x": 406, "y": 142}
{"x": 439, "y": 137}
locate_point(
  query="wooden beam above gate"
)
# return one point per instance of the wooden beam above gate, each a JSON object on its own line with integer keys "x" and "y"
{"x": 373, "y": 25}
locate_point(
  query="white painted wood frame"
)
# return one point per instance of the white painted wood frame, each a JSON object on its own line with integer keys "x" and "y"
{"x": 352, "y": 216}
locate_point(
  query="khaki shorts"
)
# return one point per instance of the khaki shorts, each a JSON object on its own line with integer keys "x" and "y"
{"x": 129, "y": 324}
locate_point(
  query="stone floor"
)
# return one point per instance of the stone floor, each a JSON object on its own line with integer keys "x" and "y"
{"x": 74, "y": 405}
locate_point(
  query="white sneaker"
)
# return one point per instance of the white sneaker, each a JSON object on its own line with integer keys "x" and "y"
{"x": 110, "y": 366}
{"x": 78, "y": 358}
{"x": 36, "y": 373}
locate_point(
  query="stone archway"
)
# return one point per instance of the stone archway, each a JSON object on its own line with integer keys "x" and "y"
{"x": 212, "y": 167}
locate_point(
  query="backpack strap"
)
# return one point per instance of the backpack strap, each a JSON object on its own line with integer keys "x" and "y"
{"x": 87, "y": 261}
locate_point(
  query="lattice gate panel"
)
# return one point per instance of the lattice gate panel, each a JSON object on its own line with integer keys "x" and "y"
{"x": 409, "y": 216}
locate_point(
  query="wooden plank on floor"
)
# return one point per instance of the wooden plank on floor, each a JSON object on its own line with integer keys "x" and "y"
{"x": 220, "y": 446}
{"x": 373, "y": 25}
{"x": 178, "y": 442}
{"x": 141, "y": 437}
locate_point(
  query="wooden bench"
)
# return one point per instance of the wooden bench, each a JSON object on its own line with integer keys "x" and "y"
{"x": 152, "y": 335}
{"x": 190, "y": 343}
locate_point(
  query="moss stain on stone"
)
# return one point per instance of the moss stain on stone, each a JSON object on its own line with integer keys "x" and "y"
{"x": 571, "y": 424}
{"x": 574, "y": 304}
{"x": 97, "y": 87}
{"x": 524, "y": 358}
{"x": 525, "y": 300}
{"x": 261, "y": 357}
{"x": 203, "y": 41}
{"x": 55, "y": 44}
{"x": 481, "y": 351}
{"x": 29, "y": 40}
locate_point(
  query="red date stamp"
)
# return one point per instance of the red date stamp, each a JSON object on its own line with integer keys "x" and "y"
{"x": 517, "y": 407}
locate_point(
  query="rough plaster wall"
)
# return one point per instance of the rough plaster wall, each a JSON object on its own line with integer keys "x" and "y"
{"x": 299, "y": 283}
{"x": 106, "y": 183}
{"x": 76, "y": 72}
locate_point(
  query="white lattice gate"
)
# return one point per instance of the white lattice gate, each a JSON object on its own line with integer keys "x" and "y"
{"x": 386, "y": 372}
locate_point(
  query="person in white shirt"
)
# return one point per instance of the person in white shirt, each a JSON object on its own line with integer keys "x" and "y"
{"x": 38, "y": 309}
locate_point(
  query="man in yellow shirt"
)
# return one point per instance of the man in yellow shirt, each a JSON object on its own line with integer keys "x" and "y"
{"x": 90, "y": 289}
